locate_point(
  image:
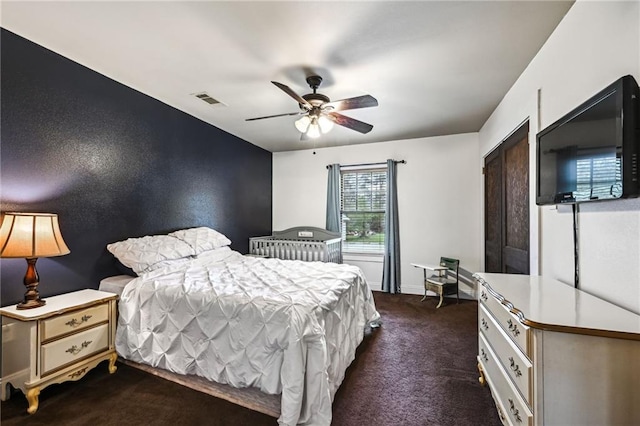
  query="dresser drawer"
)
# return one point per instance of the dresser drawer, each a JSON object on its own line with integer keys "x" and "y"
{"x": 515, "y": 363}
{"x": 511, "y": 407}
{"x": 74, "y": 321}
{"x": 517, "y": 331}
{"x": 70, "y": 349}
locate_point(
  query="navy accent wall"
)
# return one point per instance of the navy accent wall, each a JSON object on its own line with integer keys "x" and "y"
{"x": 113, "y": 163}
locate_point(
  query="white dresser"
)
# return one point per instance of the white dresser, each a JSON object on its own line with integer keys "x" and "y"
{"x": 554, "y": 355}
{"x": 57, "y": 342}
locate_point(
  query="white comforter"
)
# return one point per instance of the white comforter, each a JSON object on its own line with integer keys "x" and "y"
{"x": 288, "y": 327}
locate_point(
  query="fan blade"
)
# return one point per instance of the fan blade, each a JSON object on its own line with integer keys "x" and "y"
{"x": 364, "y": 101}
{"x": 351, "y": 123}
{"x": 272, "y": 116}
{"x": 293, "y": 94}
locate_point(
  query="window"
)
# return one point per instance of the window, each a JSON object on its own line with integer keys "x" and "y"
{"x": 363, "y": 195}
{"x": 598, "y": 177}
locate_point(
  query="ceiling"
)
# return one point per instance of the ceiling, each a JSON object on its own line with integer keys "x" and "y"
{"x": 435, "y": 67}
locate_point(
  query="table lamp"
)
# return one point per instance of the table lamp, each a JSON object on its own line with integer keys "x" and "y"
{"x": 31, "y": 235}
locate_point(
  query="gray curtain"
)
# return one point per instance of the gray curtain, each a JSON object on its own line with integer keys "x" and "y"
{"x": 391, "y": 270}
{"x": 333, "y": 198}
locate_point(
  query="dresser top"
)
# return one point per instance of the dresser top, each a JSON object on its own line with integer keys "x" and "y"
{"x": 548, "y": 304}
{"x": 58, "y": 304}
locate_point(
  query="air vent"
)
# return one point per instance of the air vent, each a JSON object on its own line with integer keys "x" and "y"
{"x": 208, "y": 99}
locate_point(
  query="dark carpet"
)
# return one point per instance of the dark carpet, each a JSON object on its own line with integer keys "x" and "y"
{"x": 419, "y": 368}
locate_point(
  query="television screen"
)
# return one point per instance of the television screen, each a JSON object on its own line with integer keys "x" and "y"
{"x": 591, "y": 153}
{"x": 581, "y": 159}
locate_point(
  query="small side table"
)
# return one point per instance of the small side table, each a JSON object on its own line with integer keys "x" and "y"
{"x": 438, "y": 289}
{"x": 57, "y": 342}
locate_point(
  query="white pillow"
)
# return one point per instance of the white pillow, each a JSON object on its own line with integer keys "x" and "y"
{"x": 145, "y": 254}
{"x": 202, "y": 238}
{"x": 215, "y": 255}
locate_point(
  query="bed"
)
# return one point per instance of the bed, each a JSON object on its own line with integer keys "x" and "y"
{"x": 287, "y": 327}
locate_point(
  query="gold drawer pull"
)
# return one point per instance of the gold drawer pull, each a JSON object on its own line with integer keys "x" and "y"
{"x": 514, "y": 411}
{"x": 78, "y": 373}
{"x": 513, "y": 328}
{"x": 483, "y": 296}
{"x": 74, "y": 322}
{"x": 483, "y": 355}
{"x": 74, "y": 350}
{"x": 515, "y": 367}
{"x": 484, "y": 324}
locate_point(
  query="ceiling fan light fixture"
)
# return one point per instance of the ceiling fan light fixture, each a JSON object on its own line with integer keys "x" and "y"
{"x": 319, "y": 113}
{"x": 302, "y": 124}
{"x": 314, "y": 129}
{"x": 325, "y": 124}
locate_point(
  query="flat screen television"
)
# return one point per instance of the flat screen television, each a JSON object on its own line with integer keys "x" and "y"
{"x": 591, "y": 153}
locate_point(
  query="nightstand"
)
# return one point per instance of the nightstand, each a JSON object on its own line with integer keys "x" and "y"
{"x": 57, "y": 342}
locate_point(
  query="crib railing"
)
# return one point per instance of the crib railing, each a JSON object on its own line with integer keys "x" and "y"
{"x": 308, "y": 244}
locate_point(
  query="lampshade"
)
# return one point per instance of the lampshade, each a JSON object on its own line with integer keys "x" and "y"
{"x": 314, "y": 129}
{"x": 325, "y": 124}
{"x": 31, "y": 235}
{"x": 314, "y": 124}
{"x": 303, "y": 123}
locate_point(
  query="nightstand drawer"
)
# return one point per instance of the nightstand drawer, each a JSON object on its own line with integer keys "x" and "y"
{"x": 69, "y": 350}
{"x": 74, "y": 321}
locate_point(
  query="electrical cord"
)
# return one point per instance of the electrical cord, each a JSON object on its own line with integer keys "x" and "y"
{"x": 576, "y": 254}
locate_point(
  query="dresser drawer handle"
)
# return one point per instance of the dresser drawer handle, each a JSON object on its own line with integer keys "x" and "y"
{"x": 74, "y": 350}
{"x": 484, "y": 324}
{"x": 513, "y": 328}
{"x": 483, "y": 355}
{"x": 514, "y": 411}
{"x": 78, "y": 373}
{"x": 483, "y": 296}
{"x": 74, "y": 322}
{"x": 515, "y": 367}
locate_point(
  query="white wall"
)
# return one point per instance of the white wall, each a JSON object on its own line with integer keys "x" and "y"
{"x": 438, "y": 199}
{"x": 596, "y": 43}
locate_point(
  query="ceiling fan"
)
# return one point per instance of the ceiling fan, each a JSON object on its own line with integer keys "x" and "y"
{"x": 319, "y": 113}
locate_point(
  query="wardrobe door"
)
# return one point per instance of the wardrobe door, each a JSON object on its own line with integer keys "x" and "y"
{"x": 507, "y": 205}
{"x": 493, "y": 212}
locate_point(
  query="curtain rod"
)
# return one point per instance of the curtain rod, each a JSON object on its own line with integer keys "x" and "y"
{"x": 370, "y": 164}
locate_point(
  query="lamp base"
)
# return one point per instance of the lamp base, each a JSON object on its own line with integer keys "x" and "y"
{"x": 31, "y": 281}
{"x": 31, "y": 303}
